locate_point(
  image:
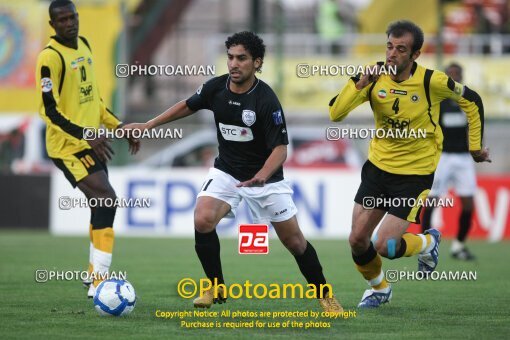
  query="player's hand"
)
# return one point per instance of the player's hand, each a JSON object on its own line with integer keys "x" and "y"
{"x": 254, "y": 182}
{"x": 481, "y": 155}
{"x": 134, "y": 143}
{"x": 371, "y": 74}
{"x": 102, "y": 148}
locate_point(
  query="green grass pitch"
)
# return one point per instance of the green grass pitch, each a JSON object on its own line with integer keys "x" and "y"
{"x": 419, "y": 309}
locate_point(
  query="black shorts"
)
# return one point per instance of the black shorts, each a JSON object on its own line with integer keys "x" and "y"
{"x": 79, "y": 165}
{"x": 397, "y": 194}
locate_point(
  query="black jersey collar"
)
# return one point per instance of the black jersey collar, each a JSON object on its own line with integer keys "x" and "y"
{"x": 413, "y": 70}
{"x": 255, "y": 83}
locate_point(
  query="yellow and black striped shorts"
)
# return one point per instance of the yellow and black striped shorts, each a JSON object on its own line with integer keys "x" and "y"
{"x": 79, "y": 165}
{"x": 396, "y": 194}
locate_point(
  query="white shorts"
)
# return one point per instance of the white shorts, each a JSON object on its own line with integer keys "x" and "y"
{"x": 270, "y": 203}
{"x": 455, "y": 170}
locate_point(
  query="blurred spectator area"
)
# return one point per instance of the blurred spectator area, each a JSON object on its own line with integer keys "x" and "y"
{"x": 475, "y": 33}
{"x": 197, "y": 36}
{"x": 186, "y": 32}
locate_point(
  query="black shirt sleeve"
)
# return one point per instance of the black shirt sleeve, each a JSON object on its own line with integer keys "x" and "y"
{"x": 275, "y": 129}
{"x": 51, "y": 111}
{"x": 201, "y": 100}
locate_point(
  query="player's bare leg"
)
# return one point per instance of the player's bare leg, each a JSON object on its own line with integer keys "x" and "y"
{"x": 306, "y": 257}
{"x": 208, "y": 213}
{"x": 97, "y": 185}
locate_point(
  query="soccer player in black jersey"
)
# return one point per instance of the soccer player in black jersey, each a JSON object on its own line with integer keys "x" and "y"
{"x": 455, "y": 168}
{"x": 252, "y": 138}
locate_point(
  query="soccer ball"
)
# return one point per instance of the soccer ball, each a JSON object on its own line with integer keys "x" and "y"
{"x": 114, "y": 297}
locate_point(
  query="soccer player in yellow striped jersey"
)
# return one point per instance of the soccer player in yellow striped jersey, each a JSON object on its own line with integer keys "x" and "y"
{"x": 400, "y": 168}
{"x": 69, "y": 102}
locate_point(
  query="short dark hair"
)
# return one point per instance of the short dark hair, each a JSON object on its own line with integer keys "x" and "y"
{"x": 401, "y": 27}
{"x": 251, "y": 42}
{"x": 453, "y": 64}
{"x": 58, "y": 3}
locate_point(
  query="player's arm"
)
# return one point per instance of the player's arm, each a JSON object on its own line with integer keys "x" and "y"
{"x": 48, "y": 78}
{"x": 184, "y": 108}
{"x": 273, "y": 163}
{"x": 49, "y": 75}
{"x": 354, "y": 93}
{"x": 177, "y": 111}
{"x": 108, "y": 118}
{"x": 112, "y": 122}
{"x": 471, "y": 103}
{"x": 275, "y": 135}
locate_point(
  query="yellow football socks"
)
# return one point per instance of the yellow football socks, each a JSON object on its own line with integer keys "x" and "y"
{"x": 416, "y": 243}
{"x": 372, "y": 272}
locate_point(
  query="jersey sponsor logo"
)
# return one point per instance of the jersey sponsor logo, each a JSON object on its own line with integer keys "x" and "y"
{"x": 394, "y": 91}
{"x": 391, "y": 123}
{"x": 199, "y": 90}
{"x": 46, "y": 85}
{"x": 231, "y": 102}
{"x": 381, "y": 94}
{"x": 236, "y": 133}
{"x": 86, "y": 93}
{"x": 249, "y": 117}
{"x": 415, "y": 98}
{"x": 277, "y": 117}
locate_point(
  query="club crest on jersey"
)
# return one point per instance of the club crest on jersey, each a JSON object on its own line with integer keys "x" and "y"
{"x": 46, "y": 85}
{"x": 381, "y": 94}
{"x": 277, "y": 117}
{"x": 415, "y": 98}
{"x": 89, "y": 60}
{"x": 249, "y": 117}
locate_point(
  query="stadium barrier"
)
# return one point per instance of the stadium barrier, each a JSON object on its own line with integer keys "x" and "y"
{"x": 24, "y": 201}
{"x": 324, "y": 198}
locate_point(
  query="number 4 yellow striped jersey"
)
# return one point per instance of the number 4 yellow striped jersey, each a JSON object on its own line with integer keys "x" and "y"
{"x": 412, "y": 104}
{"x": 68, "y": 97}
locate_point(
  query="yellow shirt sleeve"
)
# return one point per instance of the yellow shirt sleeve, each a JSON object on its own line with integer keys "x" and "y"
{"x": 348, "y": 99}
{"x": 46, "y": 83}
{"x": 469, "y": 101}
{"x": 108, "y": 119}
{"x": 48, "y": 79}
